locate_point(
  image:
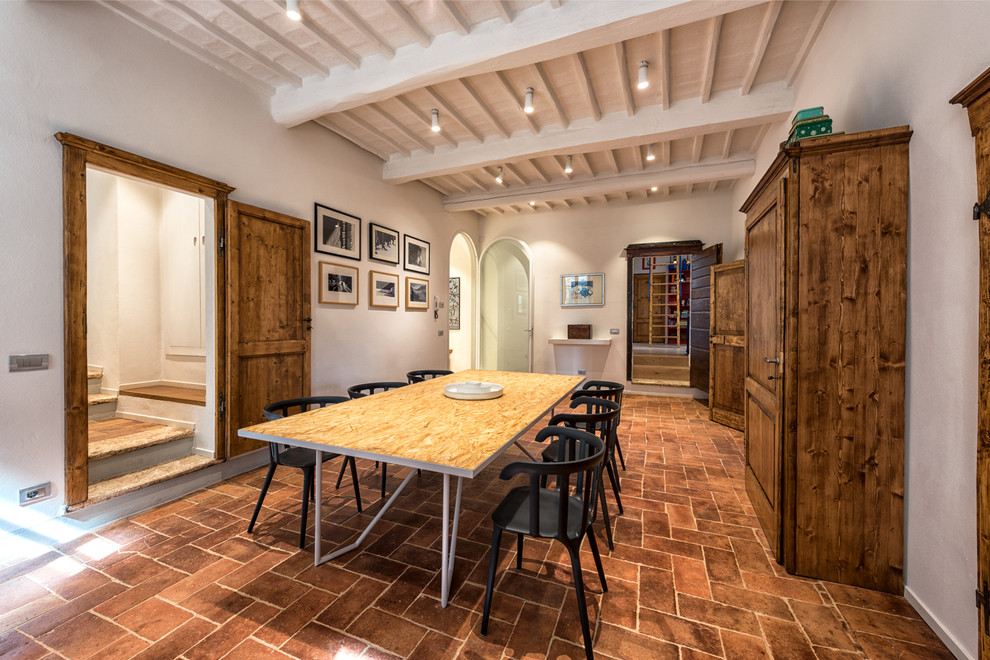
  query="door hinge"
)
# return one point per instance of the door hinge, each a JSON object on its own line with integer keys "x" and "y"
{"x": 220, "y": 242}
{"x": 221, "y": 407}
{"x": 983, "y": 601}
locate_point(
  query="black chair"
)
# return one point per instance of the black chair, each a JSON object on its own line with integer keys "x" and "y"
{"x": 297, "y": 457}
{"x": 560, "y": 513}
{"x": 599, "y": 418}
{"x": 606, "y": 389}
{"x": 426, "y": 374}
{"x": 367, "y": 389}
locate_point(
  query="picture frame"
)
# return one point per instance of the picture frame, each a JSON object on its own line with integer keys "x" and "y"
{"x": 384, "y": 289}
{"x": 454, "y": 304}
{"x": 582, "y": 290}
{"x": 417, "y": 255}
{"x": 383, "y": 244}
{"x": 338, "y": 284}
{"x": 337, "y": 233}
{"x": 417, "y": 293}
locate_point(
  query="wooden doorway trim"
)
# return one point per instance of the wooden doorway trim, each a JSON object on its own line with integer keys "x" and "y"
{"x": 77, "y": 154}
{"x": 976, "y": 100}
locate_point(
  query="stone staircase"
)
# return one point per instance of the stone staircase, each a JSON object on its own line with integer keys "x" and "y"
{"x": 661, "y": 369}
{"x": 126, "y": 455}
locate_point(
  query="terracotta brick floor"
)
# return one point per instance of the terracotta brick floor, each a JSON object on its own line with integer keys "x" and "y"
{"x": 690, "y": 576}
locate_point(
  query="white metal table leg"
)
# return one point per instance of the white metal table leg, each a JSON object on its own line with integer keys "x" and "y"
{"x": 318, "y": 489}
{"x": 448, "y": 544}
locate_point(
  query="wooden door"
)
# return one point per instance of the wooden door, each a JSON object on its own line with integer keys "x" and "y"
{"x": 977, "y": 101}
{"x": 764, "y": 351}
{"x": 268, "y": 315}
{"x": 728, "y": 344}
{"x": 641, "y": 309}
{"x": 700, "y": 306}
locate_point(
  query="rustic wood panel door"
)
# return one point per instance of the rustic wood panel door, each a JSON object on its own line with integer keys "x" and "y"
{"x": 268, "y": 315}
{"x": 764, "y": 348}
{"x": 700, "y": 301}
{"x": 641, "y": 309}
{"x": 728, "y": 344}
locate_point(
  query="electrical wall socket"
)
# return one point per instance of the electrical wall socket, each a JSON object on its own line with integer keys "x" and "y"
{"x": 35, "y": 493}
{"x": 614, "y": 331}
{"x": 439, "y": 333}
{"x": 581, "y": 372}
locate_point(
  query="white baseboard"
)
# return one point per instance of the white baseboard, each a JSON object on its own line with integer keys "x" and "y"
{"x": 950, "y": 641}
{"x": 157, "y": 420}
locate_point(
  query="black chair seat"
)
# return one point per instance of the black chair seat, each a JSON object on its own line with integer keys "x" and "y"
{"x": 298, "y": 457}
{"x": 513, "y": 513}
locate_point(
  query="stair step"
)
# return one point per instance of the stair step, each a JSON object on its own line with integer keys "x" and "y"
{"x": 660, "y": 360}
{"x": 97, "y": 399}
{"x": 102, "y": 406}
{"x": 654, "y": 375}
{"x": 94, "y": 372}
{"x": 111, "y": 437}
{"x": 191, "y": 395}
{"x": 128, "y": 483}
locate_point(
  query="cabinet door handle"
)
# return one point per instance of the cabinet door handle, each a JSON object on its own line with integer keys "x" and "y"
{"x": 773, "y": 361}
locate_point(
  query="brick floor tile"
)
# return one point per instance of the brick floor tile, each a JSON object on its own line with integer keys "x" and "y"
{"x": 178, "y": 641}
{"x": 718, "y": 614}
{"x": 738, "y": 646}
{"x": 217, "y": 603}
{"x": 788, "y": 587}
{"x": 348, "y": 605}
{"x": 70, "y": 609}
{"x": 293, "y": 618}
{"x": 628, "y": 645}
{"x": 14, "y": 644}
{"x": 786, "y": 640}
{"x": 82, "y": 636}
{"x": 904, "y": 629}
{"x": 870, "y": 600}
{"x": 691, "y": 577}
{"x": 233, "y": 632}
{"x": 680, "y": 631}
{"x": 153, "y": 619}
{"x": 395, "y": 634}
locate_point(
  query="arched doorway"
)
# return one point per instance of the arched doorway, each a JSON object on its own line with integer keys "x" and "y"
{"x": 506, "y": 330}
{"x": 461, "y": 311}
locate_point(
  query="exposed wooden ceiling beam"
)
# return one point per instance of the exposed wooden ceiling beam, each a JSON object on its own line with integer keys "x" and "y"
{"x": 415, "y": 112}
{"x": 507, "y": 88}
{"x": 475, "y": 181}
{"x": 638, "y": 157}
{"x": 450, "y": 110}
{"x": 484, "y": 107}
{"x": 539, "y": 173}
{"x": 727, "y": 144}
{"x": 555, "y": 103}
{"x": 699, "y": 141}
{"x": 763, "y": 38}
{"x": 318, "y": 33}
{"x": 587, "y": 87}
{"x": 449, "y": 8}
{"x": 350, "y": 137}
{"x": 246, "y": 18}
{"x": 581, "y": 157}
{"x": 359, "y": 24}
{"x": 620, "y": 62}
{"x": 425, "y": 38}
{"x": 231, "y": 41}
{"x": 538, "y": 34}
{"x": 400, "y": 127}
{"x": 453, "y": 183}
{"x": 612, "y": 162}
{"x": 714, "y": 31}
{"x": 809, "y": 38}
{"x": 368, "y": 128}
{"x": 685, "y": 119}
{"x": 505, "y": 10}
{"x": 665, "y": 153}
{"x": 602, "y": 185}
{"x": 664, "y": 56}
{"x": 511, "y": 169}
{"x": 136, "y": 17}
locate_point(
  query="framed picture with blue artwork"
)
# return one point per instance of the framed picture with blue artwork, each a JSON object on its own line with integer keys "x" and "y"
{"x": 583, "y": 290}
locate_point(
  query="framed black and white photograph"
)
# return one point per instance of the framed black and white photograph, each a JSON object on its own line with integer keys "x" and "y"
{"x": 384, "y": 290}
{"x": 417, "y": 293}
{"x": 586, "y": 289}
{"x": 338, "y": 284}
{"x": 417, "y": 255}
{"x": 454, "y": 304}
{"x": 383, "y": 244}
{"x": 337, "y": 233}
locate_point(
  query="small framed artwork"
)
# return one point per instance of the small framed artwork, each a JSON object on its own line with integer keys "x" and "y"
{"x": 338, "y": 284}
{"x": 454, "y": 304}
{"x": 337, "y": 233}
{"x": 417, "y": 293}
{"x": 417, "y": 255}
{"x": 582, "y": 290}
{"x": 384, "y": 244}
{"x": 384, "y": 290}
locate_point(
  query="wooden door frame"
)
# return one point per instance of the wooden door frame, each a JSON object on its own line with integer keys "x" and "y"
{"x": 77, "y": 154}
{"x": 976, "y": 100}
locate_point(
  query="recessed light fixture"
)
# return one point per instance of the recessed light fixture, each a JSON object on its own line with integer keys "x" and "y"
{"x": 435, "y": 120}
{"x": 528, "y": 108}
{"x": 292, "y": 10}
{"x": 649, "y": 153}
{"x": 567, "y": 166}
{"x": 498, "y": 176}
{"x": 644, "y": 82}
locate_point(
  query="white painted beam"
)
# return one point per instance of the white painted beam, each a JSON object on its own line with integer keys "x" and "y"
{"x": 318, "y": 33}
{"x": 620, "y": 63}
{"x": 714, "y": 31}
{"x": 551, "y": 94}
{"x": 766, "y": 29}
{"x": 537, "y": 34}
{"x": 359, "y": 24}
{"x": 664, "y": 55}
{"x": 809, "y": 39}
{"x": 449, "y": 8}
{"x": 505, "y": 10}
{"x": 507, "y": 88}
{"x": 725, "y": 111}
{"x": 584, "y": 80}
{"x": 425, "y": 38}
{"x": 262, "y": 27}
{"x": 496, "y": 122}
{"x": 603, "y": 185}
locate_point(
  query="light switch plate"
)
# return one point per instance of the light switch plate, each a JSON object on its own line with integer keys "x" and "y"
{"x": 613, "y": 331}
{"x": 28, "y": 362}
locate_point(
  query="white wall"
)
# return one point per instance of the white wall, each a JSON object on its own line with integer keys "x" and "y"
{"x": 591, "y": 240}
{"x": 881, "y": 64}
{"x": 102, "y": 307}
{"x": 80, "y": 68}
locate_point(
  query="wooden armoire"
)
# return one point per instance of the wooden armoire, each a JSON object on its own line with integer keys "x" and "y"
{"x": 826, "y": 281}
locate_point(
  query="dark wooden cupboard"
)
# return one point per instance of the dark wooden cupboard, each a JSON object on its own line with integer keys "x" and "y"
{"x": 826, "y": 275}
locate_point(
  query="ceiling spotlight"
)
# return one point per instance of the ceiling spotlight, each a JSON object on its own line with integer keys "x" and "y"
{"x": 644, "y": 82}
{"x": 567, "y": 166}
{"x": 435, "y": 121}
{"x": 649, "y": 153}
{"x": 528, "y": 108}
{"x": 292, "y": 10}
{"x": 532, "y": 203}
{"x": 498, "y": 177}
{"x": 653, "y": 189}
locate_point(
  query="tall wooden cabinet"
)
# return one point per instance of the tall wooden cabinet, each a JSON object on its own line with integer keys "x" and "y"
{"x": 826, "y": 276}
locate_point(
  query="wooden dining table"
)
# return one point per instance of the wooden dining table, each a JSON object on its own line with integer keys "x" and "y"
{"x": 419, "y": 427}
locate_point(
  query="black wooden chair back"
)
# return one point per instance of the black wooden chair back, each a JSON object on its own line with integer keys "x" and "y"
{"x": 420, "y": 375}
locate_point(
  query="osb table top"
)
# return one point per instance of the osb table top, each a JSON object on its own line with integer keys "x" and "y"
{"x": 417, "y": 426}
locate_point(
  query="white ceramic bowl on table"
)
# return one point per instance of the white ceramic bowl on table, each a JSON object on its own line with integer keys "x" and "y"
{"x": 472, "y": 390}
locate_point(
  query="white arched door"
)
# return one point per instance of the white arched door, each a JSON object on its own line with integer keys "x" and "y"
{"x": 506, "y": 330}
{"x": 462, "y": 310}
